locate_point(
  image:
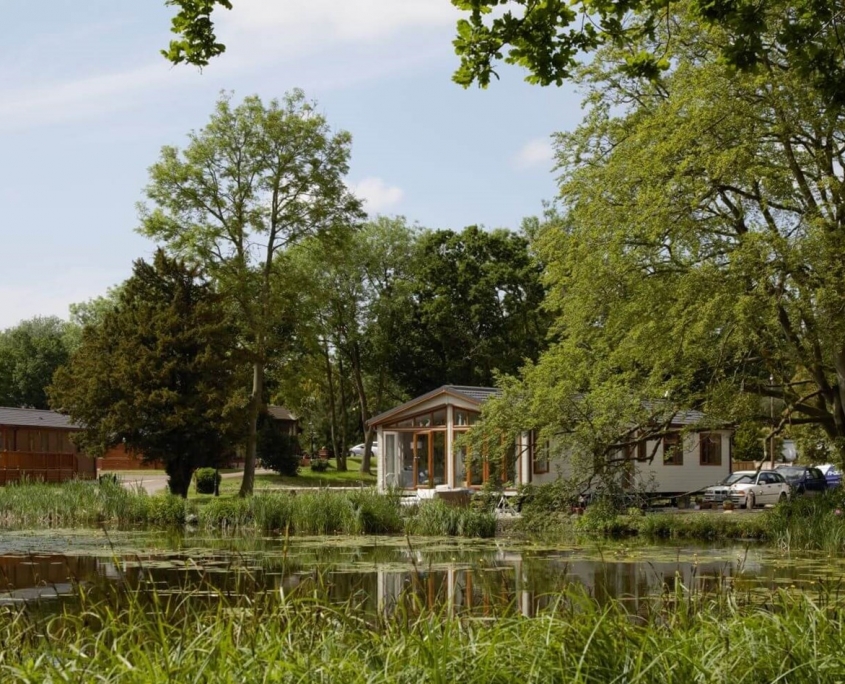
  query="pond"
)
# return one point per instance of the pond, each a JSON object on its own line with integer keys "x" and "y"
{"x": 380, "y": 573}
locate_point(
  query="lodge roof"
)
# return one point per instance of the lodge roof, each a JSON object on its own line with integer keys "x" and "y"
{"x": 21, "y": 417}
{"x": 477, "y": 395}
{"x": 280, "y": 413}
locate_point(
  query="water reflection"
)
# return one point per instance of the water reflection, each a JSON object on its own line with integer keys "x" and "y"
{"x": 480, "y": 579}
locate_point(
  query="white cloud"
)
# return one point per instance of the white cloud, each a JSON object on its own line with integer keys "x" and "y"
{"x": 321, "y": 23}
{"x": 376, "y": 194}
{"x": 536, "y": 152}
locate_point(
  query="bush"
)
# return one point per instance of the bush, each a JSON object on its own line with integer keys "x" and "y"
{"x": 208, "y": 480}
{"x": 319, "y": 465}
{"x": 276, "y": 449}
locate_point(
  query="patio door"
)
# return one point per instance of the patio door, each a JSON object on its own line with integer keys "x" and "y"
{"x": 430, "y": 458}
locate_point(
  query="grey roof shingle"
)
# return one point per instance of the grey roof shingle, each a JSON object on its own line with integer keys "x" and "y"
{"x": 18, "y": 417}
{"x": 475, "y": 394}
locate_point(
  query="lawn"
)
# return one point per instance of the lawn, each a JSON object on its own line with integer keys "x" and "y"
{"x": 306, "y": 478}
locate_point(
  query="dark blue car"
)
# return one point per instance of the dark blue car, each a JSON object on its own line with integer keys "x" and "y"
{"x": 804, "y": 479}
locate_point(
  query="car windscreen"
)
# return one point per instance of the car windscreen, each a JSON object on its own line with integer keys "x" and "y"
{"x": 736, "y": 478}
{"x": 792, "y": 474}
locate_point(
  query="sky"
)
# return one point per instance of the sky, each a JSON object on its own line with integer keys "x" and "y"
{"x": 87, "y": 102}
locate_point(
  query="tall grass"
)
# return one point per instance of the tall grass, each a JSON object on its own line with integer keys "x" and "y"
{"x": 436, "y": 518}
{"x": 134, "y": 638}
{"x": 34, "y": 505}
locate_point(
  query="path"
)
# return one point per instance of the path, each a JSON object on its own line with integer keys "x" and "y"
{"x": 155, "y": 483}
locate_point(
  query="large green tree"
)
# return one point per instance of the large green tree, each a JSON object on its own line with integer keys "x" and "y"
{"x": 254, "y": 181}
{"x": 697, "y": 259}
{"x": 158, "y": 373}
{"x": 474, "y": 310}
{"x": 29, "y": 355}
{"x": 358, "y": 294}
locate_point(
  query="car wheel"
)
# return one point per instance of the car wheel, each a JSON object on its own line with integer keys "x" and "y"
{"x": 749, "y": 501}
{"x": 782, "y": 498}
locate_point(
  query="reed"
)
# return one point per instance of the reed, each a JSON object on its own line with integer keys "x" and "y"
{"x": 128, "y": 637}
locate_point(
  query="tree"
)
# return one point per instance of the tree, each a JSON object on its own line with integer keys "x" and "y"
{"x": 474, "y": 310}
{"x": 357, "y": 293}
{"x": 697, "y": 260}
{"x": 256, "y": 180}
{"x": 158, "y": 373}
{"x": 29, "y": 355}
{"x": 276, "y": 449}
{"x": 548, "y": 37}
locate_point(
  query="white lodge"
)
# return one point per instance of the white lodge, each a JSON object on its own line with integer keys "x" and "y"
{"x": 417, "y": 453}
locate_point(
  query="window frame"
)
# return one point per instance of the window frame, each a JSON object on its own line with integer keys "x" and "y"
{"x": 711, "y": 439}
{"x": 676, "y": 449}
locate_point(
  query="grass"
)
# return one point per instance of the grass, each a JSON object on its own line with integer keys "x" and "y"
{"x": 34, "y": 505}
{"x": 300, "y": 636}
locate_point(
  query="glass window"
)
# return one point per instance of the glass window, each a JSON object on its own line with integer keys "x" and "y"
{"x": 422, "y": 420}
{"x": 461, "y": 418}
{"x": 673, "y": 453}
{"x": 540, "y": 455}
{"x": 439, "y": 417}
{"x": 711, "y": 448}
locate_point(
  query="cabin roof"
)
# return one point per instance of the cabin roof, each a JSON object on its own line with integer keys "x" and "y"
{"x": 21, "y": 417}
{"x": 280, "y": 413}
{"x": 477, "y": 395}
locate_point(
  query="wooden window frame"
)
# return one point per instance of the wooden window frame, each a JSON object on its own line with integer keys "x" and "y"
{"x": 677, "y": 458}
{"x": 709, "y": 438}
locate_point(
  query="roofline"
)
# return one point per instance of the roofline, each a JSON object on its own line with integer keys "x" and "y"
{"x": 443, "y": 389}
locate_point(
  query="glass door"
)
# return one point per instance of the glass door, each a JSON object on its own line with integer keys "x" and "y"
{"x": 438, "y": 458}
{"x": 422, "y": 461}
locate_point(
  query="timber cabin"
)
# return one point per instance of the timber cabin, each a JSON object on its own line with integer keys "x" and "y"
{"x": 417, "y": 453}
{"x": 37, "y": 444}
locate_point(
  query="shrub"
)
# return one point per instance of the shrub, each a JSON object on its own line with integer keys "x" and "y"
{"x": 276, "y": 449}
{"x": 319, "y": 465}
{"x": 208, "y": 480}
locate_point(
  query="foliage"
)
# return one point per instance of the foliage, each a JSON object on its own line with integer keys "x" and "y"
{"x": 696, "y": 259}
{"x": 198, "y": 43}
{"x": 475, "y": 307}
{"x": 207, "y": 480}
{"x": 548, "y": 38}
{"x": 276, "y": 449}
{"x": 29, "y": 355}
{"x": 253, "y": 182}
{"x": 319, "y": 465}
{"x": 158, "y": 374}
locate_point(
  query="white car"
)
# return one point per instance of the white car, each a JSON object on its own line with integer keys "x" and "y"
{"x": 358, "y": 450}
{"x": 749, "y": 488}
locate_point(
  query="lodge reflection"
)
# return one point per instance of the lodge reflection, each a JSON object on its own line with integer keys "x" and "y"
{"x": 387, "y": 579}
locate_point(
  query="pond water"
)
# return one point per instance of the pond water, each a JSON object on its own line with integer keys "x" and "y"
{"x": 379, "y": 573}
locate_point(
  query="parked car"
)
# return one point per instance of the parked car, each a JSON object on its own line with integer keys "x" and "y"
{"x": 804, "y": 479}
{"x": 750, "y": 488}
{"x": 358, "y": 450}
{"x": 832, "y": 474}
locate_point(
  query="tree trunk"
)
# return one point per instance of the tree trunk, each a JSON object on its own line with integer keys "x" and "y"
{"x": 362, "y": 400}
{"x": 179, "y": 474}
{"x": 343, "y": 403}
{"x": 339, "y": 453}
{"x": 248, "y": 483}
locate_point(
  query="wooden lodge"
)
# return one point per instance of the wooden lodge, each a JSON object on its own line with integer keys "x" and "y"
{"x": 37, "y": 445}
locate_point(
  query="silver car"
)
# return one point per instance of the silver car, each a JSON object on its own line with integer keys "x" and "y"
{"x": 750, "y": 488}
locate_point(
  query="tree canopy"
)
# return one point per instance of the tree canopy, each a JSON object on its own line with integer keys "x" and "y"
{"x": 29, "y": 355}
{"x": 549, "y": 38}
{"x": 473, "y": 310}
{"x": 696, "y": 260}
{"x": 252, "y": 183}
{"x": 158, "y": 373}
